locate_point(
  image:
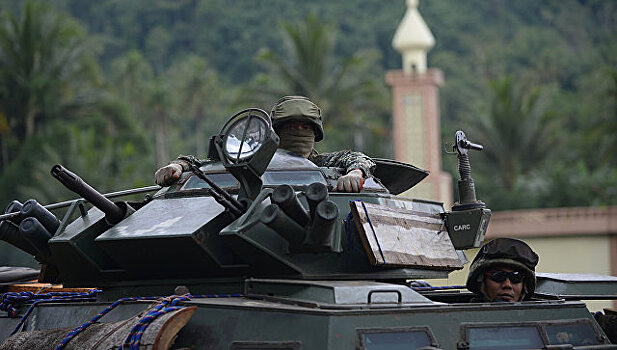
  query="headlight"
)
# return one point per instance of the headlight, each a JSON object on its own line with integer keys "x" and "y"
{"x": 244, "y": 137}
{"x": 246, "y": 145}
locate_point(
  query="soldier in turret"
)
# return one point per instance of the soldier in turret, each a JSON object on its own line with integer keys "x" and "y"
{"x": 298, "y": 122}
{"x": 503, "y": 270}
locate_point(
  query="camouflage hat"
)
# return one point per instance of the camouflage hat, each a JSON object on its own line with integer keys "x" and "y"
{"x": 298, "y": 108}
{"x": 509, "y": 252}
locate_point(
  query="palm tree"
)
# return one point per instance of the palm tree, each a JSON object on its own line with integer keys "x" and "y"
{"x": 159, "y": 115}
{"x": 45, "y": 69}
{"x": 346, "y": 91}
{"x": 149, "y": 99}
{"x": 606, "y": 127}
{"x": 517, "y": 131}
{"x": 199, "y": 97}
{"x": 131, "y": 75}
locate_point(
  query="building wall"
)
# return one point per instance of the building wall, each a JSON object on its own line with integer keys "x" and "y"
{"x": 573, "y": 254}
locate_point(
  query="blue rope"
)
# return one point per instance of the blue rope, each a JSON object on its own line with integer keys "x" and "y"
{"x": 133, "y": 339}
{"x": 77, "y": 330}
{"x": 8, "y": 299}
{"x": 11, "y": 299}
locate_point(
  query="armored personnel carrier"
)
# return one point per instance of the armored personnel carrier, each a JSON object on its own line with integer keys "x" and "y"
{"x": 254, "y": 250}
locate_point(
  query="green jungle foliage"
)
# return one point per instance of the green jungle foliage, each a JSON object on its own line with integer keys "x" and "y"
{"x": 113, "y": 89}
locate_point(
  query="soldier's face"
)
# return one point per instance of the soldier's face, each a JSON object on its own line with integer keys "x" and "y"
{"x": 498, "y": 288}
{"x": 297, "y": 125}
{"x": 297, "y": 137}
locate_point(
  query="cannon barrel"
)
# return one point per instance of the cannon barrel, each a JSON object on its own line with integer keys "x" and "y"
{"x": 113, "y": 212}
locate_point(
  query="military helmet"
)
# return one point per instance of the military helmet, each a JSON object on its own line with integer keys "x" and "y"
{"x": 299, "y": 108}
{"x": 509, "y": 252}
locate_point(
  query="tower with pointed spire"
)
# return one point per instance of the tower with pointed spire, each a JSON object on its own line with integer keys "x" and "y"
{"x": 413, "y": 40}
{"x": 415, "y": 106}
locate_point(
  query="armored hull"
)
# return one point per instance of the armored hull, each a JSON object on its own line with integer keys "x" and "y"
{"x": 260, "y": 252}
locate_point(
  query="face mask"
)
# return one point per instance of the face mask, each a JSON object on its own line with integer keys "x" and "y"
{"x": 299, "y": 141}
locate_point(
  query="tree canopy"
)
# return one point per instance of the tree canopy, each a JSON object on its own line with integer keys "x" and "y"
{"x": 116, "y": 88}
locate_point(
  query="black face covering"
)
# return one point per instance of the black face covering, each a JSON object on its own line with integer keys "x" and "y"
{"x": 299, "y": 141}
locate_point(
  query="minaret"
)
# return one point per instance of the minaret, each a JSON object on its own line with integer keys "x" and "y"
{"x": 415, "y": 105}
{"x": 413, "y": 40}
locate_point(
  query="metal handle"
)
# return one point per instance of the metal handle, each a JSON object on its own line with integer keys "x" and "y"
{"x": 398, "y": 293}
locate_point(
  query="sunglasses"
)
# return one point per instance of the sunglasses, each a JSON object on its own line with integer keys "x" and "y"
{"x": 500, "y": 276}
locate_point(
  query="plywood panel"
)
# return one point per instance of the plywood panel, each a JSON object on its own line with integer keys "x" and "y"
{"x": 402, "y": 237}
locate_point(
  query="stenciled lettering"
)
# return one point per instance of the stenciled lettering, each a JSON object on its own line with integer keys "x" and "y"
{"x": 463, "y": 227}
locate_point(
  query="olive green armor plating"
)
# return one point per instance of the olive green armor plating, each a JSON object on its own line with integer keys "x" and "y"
{"x": 300, "y": 266}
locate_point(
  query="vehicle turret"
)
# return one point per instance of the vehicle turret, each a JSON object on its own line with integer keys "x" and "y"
{"x": 266, "y": 254}
{"x": 256, "y": 211}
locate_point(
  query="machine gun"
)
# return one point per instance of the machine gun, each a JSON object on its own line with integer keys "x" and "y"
{"x": 114, "y": 212}
{"x": 235, "y": 207}
{"x": 468, "y": 221}
{"x": 32, "y": 227}
{"x": 466, "y": 187}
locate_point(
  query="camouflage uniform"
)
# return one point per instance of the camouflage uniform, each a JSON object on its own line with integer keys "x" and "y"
{"x": 344, "y": 159}
{"x": 301, "y": 109}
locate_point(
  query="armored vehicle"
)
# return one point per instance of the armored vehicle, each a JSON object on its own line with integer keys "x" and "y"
{"x": 253, "y": 249}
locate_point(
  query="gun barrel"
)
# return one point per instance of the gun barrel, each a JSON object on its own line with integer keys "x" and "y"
{"x": 226, "y": 203}
{"x": 220, "y": 195}
{"x": 113, "y": 212}
{"x": 471, "y": 145}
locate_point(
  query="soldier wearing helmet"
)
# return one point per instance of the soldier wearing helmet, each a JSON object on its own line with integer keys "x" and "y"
{"x": 503, "y": 270}
{"x": 298, "y": 122}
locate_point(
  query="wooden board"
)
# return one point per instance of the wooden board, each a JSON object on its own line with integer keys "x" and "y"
{"x": 404, "y": 238}
{"x": 36, "y": 287}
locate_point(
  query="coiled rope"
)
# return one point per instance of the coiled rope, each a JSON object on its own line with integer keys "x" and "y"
{"x": 132, "y": 341}
{"x": 10, "y": 301}
{"x": 79, "y": 329}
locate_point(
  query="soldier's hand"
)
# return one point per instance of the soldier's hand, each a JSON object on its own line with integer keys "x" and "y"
{"x": 167, "y": 175}
{"x": 351, "y": 182}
